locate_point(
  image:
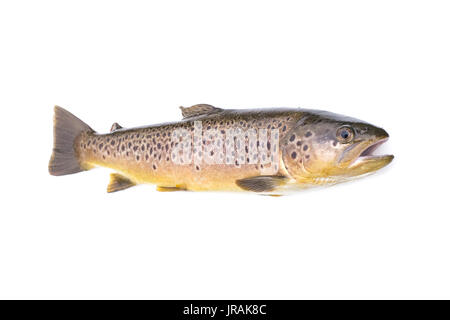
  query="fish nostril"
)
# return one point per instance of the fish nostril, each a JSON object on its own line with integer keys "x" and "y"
{"x": 381, "y": 133}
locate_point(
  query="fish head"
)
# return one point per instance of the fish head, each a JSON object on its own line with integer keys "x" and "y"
{"x": 331, "y": 148}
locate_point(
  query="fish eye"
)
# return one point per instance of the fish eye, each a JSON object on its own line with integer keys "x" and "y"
{"x": 345, "y": 134}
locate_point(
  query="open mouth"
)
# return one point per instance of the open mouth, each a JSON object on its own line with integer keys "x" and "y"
{"x": 368, "y": 154}
{"x": 369, "y": 151}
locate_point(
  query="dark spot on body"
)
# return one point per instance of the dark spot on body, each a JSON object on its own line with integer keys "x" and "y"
{"x": 113, "y": 142}
{"x": 284, "y": 128}
{"x": 292, "y": 138}
{"x": 335, "y": 143}
{"x": 154, "y": 167}
{"x": 159, "y": 145}
{"x": 305, "y": 147}
{"x": 100, "y": 146}
{"x": 137, "y": 158}
{"x": 294, "y": 155}
{"x": 308, "y": 134}
{"x": 268, "y": 145}
{"x": 299, "y": 143}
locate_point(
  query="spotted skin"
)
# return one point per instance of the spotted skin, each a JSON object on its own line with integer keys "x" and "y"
{"x": 313, "y": 154}
{"x": 144, "y": 154}
{"x": 299, "y": 148}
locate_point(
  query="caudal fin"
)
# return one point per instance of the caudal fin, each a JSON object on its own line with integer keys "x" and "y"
{"x": 66, "y": 128}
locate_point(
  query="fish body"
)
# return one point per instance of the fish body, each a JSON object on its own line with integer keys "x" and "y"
{"x": 259, "y": 150}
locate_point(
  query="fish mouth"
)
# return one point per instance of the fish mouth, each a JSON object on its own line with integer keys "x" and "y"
{"x": 368, "y": 153}
{"x": 367, "y": 161}
{"x": 364, "y": 158}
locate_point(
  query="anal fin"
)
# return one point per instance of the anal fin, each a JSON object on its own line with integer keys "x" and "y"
{"x": 171, "y": 189}
{"x": 261, "y": 183}
{"x": 119, "y": 182}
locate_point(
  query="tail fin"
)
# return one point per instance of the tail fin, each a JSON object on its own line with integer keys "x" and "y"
{"x": 66, "y": 128}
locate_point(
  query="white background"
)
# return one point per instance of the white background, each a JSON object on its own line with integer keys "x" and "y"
{"x": 136, "y": 62}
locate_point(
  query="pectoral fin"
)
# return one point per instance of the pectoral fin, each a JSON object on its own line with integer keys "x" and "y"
{"x": 119, "y": 182}
{"x": 261, "y": 183}
{"x": 198, "y": 110}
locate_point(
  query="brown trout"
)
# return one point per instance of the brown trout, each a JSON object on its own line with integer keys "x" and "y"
{"x": 266, "y": 151}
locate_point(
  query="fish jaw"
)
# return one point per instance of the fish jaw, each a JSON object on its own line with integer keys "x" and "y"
{"x": 365, "y": 161}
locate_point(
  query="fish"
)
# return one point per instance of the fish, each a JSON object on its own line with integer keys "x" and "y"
{"x": 263, "y": 151}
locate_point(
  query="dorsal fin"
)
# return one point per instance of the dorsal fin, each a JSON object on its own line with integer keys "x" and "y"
{"x": 198, "y": 110}
{"x": 115, "y": 127}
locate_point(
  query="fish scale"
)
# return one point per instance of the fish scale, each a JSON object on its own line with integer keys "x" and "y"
{"x": 289, "y": 138}
{"x": 143, "y": 154}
